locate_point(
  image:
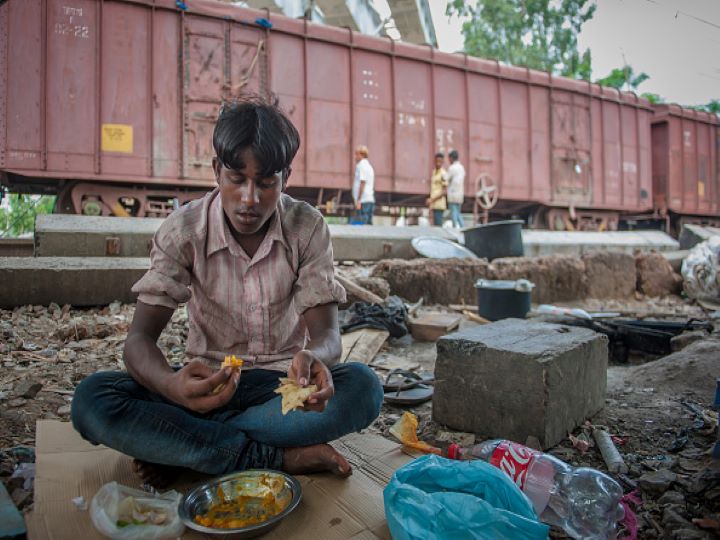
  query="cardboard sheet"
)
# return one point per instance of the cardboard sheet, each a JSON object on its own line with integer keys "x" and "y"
{"x": 331, "y": 508}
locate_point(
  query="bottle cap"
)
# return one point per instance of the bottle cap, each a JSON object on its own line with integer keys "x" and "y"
{"x": 453, "y": 451}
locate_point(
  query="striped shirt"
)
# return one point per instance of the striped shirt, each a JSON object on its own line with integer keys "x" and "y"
{"x": 249, "y": 307}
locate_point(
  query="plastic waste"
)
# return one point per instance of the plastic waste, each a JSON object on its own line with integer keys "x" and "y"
{"x": 583, "y": 501}
{"x": 557, "y": 310}
{"x": 433, "y": 498}
{"x": 701, "y": 271}
{"x": 123, "y": 513}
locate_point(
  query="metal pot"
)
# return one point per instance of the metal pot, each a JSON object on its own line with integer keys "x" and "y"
{"x": 496, "y": 240}
{"x": 499, "y": 299}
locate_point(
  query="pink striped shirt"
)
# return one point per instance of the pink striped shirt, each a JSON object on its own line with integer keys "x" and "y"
{"x": 249, "y": 307}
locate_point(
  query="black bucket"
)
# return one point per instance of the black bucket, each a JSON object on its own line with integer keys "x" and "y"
{"x": 495, "y": 240}
{"x": 503, "y": 299}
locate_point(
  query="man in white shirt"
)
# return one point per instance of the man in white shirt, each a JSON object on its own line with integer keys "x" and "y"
{"x": 364, "y": 186}
{"x": 455, "y": 178}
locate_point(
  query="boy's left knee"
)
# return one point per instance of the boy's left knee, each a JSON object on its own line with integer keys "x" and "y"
{"x": 360, "y": 387}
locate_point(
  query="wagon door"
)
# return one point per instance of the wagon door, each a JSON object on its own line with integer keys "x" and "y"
{"x": 221, "y": 61}
{"x": 571, "y": 165}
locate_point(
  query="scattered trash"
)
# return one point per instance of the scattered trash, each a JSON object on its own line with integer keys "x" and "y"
{"x": 630, "y": 522}
{"x": 581, "y": 443}
{"x": 391, "y": 317}
{"x": 80, "y": 502}
{"x": 123, "y": 513}
{"x": 433, "y": 498}
{"x": 609, "y": 452}
{"x": 26, "y": 471}
{"x": 701, "y": 271}
{"x": 553, "y": 486}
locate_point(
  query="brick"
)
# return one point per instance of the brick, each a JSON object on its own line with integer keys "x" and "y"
{"x": 610, "y": 274}
{"x": 437, "y": 281}
{"x": 558, "y": 278}
{"x": 514, "y": 379}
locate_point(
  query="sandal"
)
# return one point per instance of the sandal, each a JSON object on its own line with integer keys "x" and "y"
{"x": 401, "y": 379}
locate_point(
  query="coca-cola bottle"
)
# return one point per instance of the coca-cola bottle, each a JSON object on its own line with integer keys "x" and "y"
{"x": 584, "y": 502}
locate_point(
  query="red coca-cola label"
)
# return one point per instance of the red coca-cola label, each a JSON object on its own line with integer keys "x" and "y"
{"x": 514, "y": 460}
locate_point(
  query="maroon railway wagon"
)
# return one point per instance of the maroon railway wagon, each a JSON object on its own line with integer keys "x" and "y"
{"x": 685, "y": 165}
{"x": 111, "y": 105}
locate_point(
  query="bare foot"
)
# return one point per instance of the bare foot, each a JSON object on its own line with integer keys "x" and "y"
{"x": 158, "y": 476}
{"x": 315, "y": 458}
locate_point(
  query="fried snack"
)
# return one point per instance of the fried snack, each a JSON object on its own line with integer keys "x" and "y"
{"x": 405, "y": 430}
{"x": 293, "y": 395}
{"x": 233, "y": 362}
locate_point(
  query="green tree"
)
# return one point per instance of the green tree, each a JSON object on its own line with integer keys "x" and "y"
{"x": 18, "y": 217}
{"x": 654, "y": 99}
{"x": 624, "y": 78}
{"x": 712, "y": 107}
{"x": 539, "y": 34}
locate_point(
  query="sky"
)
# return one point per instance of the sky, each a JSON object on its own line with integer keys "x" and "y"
{"x": 662, "y": 38}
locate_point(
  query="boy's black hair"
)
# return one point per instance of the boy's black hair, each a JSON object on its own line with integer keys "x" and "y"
{"x": 439, "y": 154}
{"x": 454, "y": 155}
{"x": 262, "y": 127}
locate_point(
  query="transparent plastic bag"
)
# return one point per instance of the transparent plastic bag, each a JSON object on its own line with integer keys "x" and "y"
{"x": 112, "y": 500}
{"x": 433, "y": 498}
{"x": 701, "y": 271}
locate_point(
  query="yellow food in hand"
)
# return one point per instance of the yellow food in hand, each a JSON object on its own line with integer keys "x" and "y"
{"x": 233, "y": 362}
{"x": 293, "y": 395}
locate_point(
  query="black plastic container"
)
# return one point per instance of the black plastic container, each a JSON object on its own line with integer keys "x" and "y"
{"x": 495, "y": 240}
{"x": 503, "y": 299}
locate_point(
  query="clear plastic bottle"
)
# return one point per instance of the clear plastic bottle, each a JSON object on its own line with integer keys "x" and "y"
{"x": 584, "y": 502}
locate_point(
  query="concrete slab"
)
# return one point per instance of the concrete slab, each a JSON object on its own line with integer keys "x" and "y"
{"x": 514, "y": 378}
{"x": 59, "y": 235}
{"x": 539, "y": 243}
{"x": 372, "y": 243}
{"x": 79, "y": 281}
{"x": 691, "y": 235}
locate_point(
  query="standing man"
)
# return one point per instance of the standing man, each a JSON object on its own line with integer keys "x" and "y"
{"x": 364, "y": 186}
{"x": 455, "y": 178}
{"x": 437, "y": 202}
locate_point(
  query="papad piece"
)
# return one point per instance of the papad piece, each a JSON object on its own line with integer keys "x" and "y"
{"x": 293, "y": 395}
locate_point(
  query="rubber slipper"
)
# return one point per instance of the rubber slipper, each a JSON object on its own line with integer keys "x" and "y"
{"x": 400, "y": 379}
{"x": 420, "y": 393}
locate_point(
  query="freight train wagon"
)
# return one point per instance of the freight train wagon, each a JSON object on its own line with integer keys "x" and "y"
{"x": 685, "y": 165}
{"x": 111, "y": 104}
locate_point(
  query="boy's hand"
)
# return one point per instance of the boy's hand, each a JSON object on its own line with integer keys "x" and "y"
{"x": 192, "y": 387}
{"x": 307, "y": 369}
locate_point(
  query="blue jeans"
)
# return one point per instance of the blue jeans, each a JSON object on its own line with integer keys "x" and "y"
{"x": 249, "y": 432}
{"x": 438, "y": 217}
{"x": 455, "y": 215}
{"x": 366, "y": 212}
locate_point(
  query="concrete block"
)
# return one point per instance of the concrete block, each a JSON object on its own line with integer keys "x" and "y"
{"x": 59, "y": 235}
{"x": 437, "y": 281}
{"x": 79, "y": 281}
{"x": 373, "y": 243}
{"x": 514, "y": 379}
{"x": 542, "y": 243}
{"x": 691, "y": 235}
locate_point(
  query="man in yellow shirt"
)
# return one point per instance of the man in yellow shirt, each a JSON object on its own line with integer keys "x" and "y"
{"x": 438, "y": 187}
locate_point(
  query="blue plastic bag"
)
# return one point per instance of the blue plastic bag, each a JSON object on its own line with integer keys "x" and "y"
{"x": 437, "y": 498}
